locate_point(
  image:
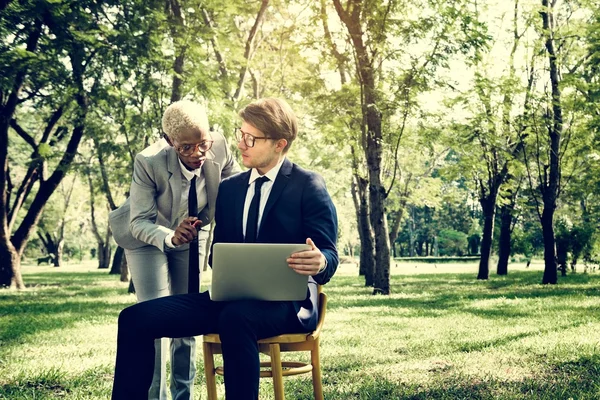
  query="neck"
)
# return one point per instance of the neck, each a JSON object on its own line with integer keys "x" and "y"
{"x": 267, "y": 168}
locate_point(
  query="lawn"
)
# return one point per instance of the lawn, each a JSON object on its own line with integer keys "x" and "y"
{"x": 441, "y": 335}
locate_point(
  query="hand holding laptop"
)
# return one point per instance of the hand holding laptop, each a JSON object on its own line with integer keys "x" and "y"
{"x": 307, "y": 262}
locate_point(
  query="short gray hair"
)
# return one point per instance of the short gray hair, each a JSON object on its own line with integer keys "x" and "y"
{"x": 184, "y": 115}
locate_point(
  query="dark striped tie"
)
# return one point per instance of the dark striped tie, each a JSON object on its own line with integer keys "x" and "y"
{"x": 252, "y": 222}
{"x": 194, "y": 262}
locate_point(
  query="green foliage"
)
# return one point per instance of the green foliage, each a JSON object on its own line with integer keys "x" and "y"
{"x": 452, "y": 242}
{"x": 453, "y": 104}
{"x": 441, "y": 260}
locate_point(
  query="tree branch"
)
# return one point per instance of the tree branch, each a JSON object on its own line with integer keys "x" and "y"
{"x": 248, "y": 49}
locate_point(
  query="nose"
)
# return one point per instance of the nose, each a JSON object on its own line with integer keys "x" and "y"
{"x": 242, "y": 144}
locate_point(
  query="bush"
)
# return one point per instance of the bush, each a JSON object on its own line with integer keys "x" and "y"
{"x": 438, "y": 260}
{"x": 452, "y": 243}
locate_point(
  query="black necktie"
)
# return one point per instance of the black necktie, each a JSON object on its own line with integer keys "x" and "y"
{"x": 252, "y": 222}
{"x": 194, "y": 262}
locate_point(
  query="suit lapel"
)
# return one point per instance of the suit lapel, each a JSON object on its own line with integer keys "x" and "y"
{"x": 283, "y": 177}
{"x": 238, "y": 206}
{"x": 174, "y": 182}
{"x": 211, "y": 175}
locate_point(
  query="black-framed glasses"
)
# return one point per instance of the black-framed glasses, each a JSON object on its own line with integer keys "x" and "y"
{"x": 189, "y": 149}
{"x": 249, "y": 140}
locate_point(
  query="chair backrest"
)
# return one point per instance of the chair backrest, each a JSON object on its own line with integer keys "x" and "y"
{"x": 322, "y": 311}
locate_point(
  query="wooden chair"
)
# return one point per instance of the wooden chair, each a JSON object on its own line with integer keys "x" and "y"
{"x": 273, "y": 347}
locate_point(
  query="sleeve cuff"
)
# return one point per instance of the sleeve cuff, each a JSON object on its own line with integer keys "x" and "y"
{"x": 169, "y": 241}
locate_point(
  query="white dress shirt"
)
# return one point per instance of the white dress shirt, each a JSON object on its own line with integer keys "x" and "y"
{"x": 265, "y": 191}
{"x": 187, "y": 177}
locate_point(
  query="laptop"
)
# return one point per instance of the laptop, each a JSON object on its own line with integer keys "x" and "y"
{"x": 257, "y": 271}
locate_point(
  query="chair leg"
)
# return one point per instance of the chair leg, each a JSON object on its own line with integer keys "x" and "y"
{"x": 316, "y": 372}
{"x": 277, "y": 371}
{"x": 209, "y": 372}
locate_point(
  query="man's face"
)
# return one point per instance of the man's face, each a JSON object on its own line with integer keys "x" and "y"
{"x": 265, "y": 154}
{"x": 191, "y": 147}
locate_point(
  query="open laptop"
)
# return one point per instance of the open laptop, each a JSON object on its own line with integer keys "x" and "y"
{"x": 257, "y": 271}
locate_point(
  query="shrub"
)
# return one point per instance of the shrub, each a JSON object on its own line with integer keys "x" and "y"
{"x": 452, "y": 243}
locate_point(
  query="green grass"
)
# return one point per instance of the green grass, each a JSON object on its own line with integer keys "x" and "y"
{"x": 441, "y": 335}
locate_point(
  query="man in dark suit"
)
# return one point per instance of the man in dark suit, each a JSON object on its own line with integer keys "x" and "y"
{"x": 293, "y": 207}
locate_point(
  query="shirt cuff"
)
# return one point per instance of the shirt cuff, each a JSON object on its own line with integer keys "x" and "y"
{"x": 169, "y": 241}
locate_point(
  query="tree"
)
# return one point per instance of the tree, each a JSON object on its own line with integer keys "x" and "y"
{"x": 382, "y": 63}
{"x": 557, "y": 147}
{"x": 50, "y": 31}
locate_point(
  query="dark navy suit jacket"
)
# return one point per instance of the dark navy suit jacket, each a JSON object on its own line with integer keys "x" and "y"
{"x": 298, "y": 207}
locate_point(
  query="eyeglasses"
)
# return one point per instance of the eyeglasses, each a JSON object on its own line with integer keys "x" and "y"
{"x": 247, "y": 138}
{"x": 189, "y": 149}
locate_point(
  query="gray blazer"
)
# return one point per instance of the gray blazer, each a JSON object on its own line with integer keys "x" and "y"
{"x": 150, "y": 212}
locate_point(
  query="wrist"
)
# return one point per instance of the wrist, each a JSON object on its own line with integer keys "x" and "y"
{"x": 324, "y": 266}
{"x": 169, "y": 241}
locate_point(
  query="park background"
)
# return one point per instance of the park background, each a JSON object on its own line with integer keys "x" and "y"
{"x": 447, "y": 131}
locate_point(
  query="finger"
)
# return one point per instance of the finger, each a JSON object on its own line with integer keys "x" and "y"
{"x": 304, "y": 254}
{"x": 310, "y": 265}
{"x": 186, "y": 229}
{"x": 179, "y": 239}
{"x": 305, "y": 269}
{"x": 187, "y": 232}
{"x": 312, "y": 244}
{"x": 189, "y": 221}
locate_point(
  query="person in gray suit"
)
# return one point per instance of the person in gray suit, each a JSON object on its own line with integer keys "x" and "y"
{"x": 155, "y": 227}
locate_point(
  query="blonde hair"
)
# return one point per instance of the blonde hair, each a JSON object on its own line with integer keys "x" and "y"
{"x": 184, "y": 115}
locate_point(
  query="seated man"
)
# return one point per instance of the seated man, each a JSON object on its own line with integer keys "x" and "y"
{"x": 291, "y": 205}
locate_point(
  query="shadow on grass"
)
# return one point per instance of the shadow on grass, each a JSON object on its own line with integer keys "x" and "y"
{"x": 55, "y": 384}
{"x": 58, "y": 301}
{"x": 578, "y": 379}
{"x": 428, "y": 295}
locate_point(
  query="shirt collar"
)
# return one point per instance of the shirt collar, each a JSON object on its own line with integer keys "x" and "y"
{"x": 187, "y": 174}
{"x": 271, "y": 174}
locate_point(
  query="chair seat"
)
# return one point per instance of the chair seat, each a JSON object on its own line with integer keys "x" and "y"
{"x": 287, "y": 338}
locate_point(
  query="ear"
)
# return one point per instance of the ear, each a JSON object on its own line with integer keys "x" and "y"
{"x": 168, "y": 139}
{"x": 280, "y": 145}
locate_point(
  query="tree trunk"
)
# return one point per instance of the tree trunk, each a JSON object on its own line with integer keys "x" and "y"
{"x": 550, "y": 265}
{"x": 117, "y": 261}
{"x": 504, "y": 246}
{"x": 58, "y": 259}
{"x": 104, "y": 253}
{"x": 382, "y": 249}
{"x": 125, "y": 275}
{"x": 131, "y": 288}
{"x": 10, "y": 274}
{"x": 367, "y": 248}
{"x": 397, "y": 219}
{"x": 550, "y": 188}
{"x": 411, "y": 235}
{"x": 488, "y": 205}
